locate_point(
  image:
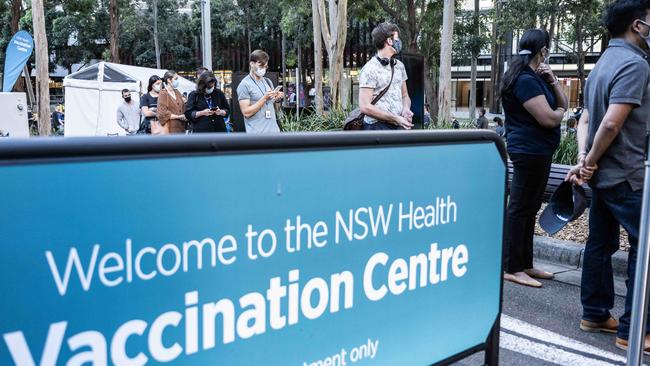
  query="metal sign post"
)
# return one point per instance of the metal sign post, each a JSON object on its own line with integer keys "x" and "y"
{"x": 641, "y": 280}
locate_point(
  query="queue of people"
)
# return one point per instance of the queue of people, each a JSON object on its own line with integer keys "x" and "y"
{"x": 164, "y": 110}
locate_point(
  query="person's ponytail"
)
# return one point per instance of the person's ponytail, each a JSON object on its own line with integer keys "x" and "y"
{"x": 530, "y": 45}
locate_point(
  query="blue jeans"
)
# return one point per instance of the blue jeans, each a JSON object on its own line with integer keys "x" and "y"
{"x": 379, "y": 126}
{"x": 610, "y": 208}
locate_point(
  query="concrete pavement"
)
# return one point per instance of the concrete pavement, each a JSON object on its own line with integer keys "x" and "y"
{"x": 540, "y": 326}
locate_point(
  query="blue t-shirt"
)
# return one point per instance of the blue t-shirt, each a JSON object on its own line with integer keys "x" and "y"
{"x": 525, "y": 135}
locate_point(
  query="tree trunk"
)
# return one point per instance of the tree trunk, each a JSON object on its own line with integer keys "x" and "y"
{"x": 155, "y": 33}
{"x": 552, "y": 29}
{"x": 581, "y": 59}
{"x": 318, "y": 57}
{"x": 42, "y": 65}
{"x": 298, "y": 80}
{"x": 15, "y": 18}
{"x": 115, "y": 30}
{"x": 248, "y": 38}
{"x": 495, "y": 69}
{"x": 334, "y": 42}
{"x": 446, "y": 41}
{"x": 15, "y": 15}
{"x": 472, "y": 90}
{"x": 430, "y": 90}
{"x": 284, "y": 63}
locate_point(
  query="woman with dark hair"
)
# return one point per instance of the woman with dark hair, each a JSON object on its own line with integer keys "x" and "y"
{"x": 207, "y": 106}
{"x": 149, "y": 104}
{"x": 534, "y": 105}
{"x": 171, "y": 107}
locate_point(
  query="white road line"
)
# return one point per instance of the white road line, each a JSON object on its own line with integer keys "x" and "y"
{"x": 532, "y": 331}
{"x": 547, "y": 353}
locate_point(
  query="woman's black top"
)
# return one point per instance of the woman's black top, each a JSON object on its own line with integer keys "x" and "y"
{"x": 197, "y": 102}
{"x": 525, "y": 135}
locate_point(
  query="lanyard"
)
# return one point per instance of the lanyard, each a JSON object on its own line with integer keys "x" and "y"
{"x": 258, "y": 85}
{"x": 208, "y": 101}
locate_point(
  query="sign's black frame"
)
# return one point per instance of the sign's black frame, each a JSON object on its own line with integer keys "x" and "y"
{"x": 57, "y": 150}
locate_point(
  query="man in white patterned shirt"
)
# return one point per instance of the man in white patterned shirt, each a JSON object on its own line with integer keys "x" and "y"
{"x": 393, "y": 110}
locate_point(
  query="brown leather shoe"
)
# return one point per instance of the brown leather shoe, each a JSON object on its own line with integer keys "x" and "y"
{"x": 538, "y": 273}
{"x": 608, "y": 326}
{"x": 622, "y": 344}
{"x": 521, "y": 278}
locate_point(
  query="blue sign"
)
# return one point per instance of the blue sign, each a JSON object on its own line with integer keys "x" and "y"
{"x": 368, "y": 256}
{"x": 18, "y": 52}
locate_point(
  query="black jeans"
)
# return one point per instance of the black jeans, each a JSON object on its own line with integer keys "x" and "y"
{"x": 526, "y": 192}
{"x": 610, "y": 208}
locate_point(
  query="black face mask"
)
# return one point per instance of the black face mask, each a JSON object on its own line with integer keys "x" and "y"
{"x": 127, "y": 99}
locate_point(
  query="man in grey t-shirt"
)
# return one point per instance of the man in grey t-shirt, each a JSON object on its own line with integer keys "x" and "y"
{"x": 393, "y": 110}
{"x": 257, "y": 97}
{"x": 611, "y": 139}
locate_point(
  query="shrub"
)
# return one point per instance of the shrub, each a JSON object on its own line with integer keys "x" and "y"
{"x": 329, "y": 121}
{"x": 567, "y": 152}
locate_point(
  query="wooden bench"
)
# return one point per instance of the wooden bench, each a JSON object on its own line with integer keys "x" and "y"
{"x": 555, "y": 177}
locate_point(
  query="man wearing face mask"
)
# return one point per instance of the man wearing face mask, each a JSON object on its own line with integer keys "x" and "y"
{"x": 128, "y": 113}
{"x": 611, "y": 143}
{"x": 257, "y": 97}
{"x": 393, "y": 110}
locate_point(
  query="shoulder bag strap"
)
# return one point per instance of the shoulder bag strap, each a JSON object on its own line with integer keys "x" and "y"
{"x": 383, "y": 92}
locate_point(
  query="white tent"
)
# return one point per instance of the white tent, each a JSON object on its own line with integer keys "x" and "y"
{"x": 93, "y": 94}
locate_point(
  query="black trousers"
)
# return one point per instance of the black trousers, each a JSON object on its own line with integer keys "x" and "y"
{"x": 526, "y": 192}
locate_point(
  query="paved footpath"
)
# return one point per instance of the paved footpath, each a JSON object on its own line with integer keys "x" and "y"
{"x": 540, "y": 327}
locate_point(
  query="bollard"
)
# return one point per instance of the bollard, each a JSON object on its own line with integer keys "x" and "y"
{"x": 641, "y": 279}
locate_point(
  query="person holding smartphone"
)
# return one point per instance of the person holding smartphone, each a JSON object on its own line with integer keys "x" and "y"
{"x": 207, "y": 106}
{"x": 257, "y": 97}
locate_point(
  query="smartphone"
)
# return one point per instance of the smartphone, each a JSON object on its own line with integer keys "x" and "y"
{"x": 214, "y": 109}
{"x": 279, "y": 88}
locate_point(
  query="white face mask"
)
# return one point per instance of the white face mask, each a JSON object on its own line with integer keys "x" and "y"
{"x": 260, "y": 71}
{"x": 156, "y": 88}
{"x": 209, "y": 91}
{"x": 175, "y": 84}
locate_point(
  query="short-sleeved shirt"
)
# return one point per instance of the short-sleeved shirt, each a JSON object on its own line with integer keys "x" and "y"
{"x": 621, "y": 76}
{"x": 254, "y": 90}
{"x": 147, "y": 100}
{"x": 376, "y": 76}
{"x": 525, "y": 134}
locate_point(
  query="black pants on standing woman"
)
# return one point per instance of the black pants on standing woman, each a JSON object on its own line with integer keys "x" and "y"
{"x": 526, "y": 193}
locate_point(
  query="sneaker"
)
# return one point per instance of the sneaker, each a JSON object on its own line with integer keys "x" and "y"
{"x": 608, "y": 326}
{"x": 538, "y": 273}
{"x": 622, "y": 344}
{"x": 521, "y": 278}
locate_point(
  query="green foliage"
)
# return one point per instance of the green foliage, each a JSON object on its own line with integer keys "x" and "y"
{"x": 176, "y": 33}
{"x": 465, "y": 124}
{"x": 567, "y": 152}
{"x": 470, "y": 41}
{"x": 331, "y": 121}
{"x": 78, "y": 30}
{"x": 5, "y": 29}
